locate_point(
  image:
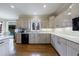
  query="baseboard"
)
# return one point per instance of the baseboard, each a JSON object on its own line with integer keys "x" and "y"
{"x": 39, "y": 43}
{"x": 35, "y": 43}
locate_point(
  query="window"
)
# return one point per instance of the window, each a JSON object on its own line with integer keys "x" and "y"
{"x": 35, "y": 24}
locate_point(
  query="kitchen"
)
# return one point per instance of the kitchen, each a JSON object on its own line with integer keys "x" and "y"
{"x": 50, "y": 26}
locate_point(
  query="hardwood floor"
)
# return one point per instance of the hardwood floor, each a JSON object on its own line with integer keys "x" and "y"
{"x": 35, "y": 50}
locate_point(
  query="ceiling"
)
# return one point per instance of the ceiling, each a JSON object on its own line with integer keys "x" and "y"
{"x": 7, "y": 12}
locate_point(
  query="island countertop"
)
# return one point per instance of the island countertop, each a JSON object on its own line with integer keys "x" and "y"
{"x": 5, "y": 37}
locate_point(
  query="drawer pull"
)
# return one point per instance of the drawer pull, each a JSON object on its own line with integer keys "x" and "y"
{"x": 59, "y": 42}
{"x": 1, "y": 42}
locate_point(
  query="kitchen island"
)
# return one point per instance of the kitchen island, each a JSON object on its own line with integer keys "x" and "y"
{"x": 6, "y": 45}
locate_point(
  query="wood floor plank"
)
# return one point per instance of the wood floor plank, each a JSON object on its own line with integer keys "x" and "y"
{"x": 35, "y": 50}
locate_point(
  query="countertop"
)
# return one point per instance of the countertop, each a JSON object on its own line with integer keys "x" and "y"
{"x": 5, "y": 37}
{"x": 38, "y": 32}
{"x": 42, "y": 31}
{"x": 60, "y": 34}
{"x": 68, "y": 37}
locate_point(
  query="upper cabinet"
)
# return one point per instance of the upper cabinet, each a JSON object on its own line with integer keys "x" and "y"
{"x": 51, "y": 21}
{"x": 44, "y": 22}
{"x": 65, "y": 18}
{"x": 33, "y": 22}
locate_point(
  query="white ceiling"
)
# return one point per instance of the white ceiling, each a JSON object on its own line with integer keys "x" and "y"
{"x": 7, "y": 12}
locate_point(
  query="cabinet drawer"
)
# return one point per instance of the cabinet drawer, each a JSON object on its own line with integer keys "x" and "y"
{"x": 62, "y": 40}
{"x": 73, "y": 45}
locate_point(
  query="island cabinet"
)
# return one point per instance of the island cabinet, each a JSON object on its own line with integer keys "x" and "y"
{"x": 64, "y": 46}
{"x": 4, "y": 47}
{"x": 39, "y": 38}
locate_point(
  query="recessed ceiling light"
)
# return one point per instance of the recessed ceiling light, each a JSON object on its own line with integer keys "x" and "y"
{"x": 69, "y": 13}
{"x": 12, "y": 6}
{"x": 44, "y": 6}
{"x": 70, "y": 6}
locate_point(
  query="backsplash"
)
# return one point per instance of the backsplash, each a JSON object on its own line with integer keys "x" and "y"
{"x": 67, "y": 30}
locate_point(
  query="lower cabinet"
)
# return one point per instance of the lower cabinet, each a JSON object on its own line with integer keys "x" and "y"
{"x": 72, "y": 52}
{"x": 60, "y": 47}
{"x": 65, "y": 47}
{"x": 39, "y": 38}
{"x": 4, "y": 48}
{"x": 44, "y": 38}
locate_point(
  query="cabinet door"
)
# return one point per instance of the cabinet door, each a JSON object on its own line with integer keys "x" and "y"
{"x": 47, "y": 38}
{"x": 18, "y": 37}
{"x": 61, "y": 48}
{"x": 72, "y": 52}
{"x": 43, "y": 38}
{"x": 4, "y": 48}
{"x": 36, "y": 38}
{"x": 31, "y": 38}
{"x": 53, "y": 40}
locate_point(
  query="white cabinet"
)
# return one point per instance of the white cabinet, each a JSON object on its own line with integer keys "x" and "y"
{"x": 18, "y": 37}
{"x": 53, "y": 40}
{"x": 4, "y": 48}
{"x": 60, "y": 47}
{"x": 57, "y": 42}
{"x": 39, "y": 38}
{"x": 31, "y": 38}
{"x": 72, "y": 52}
{"x": 44, "y": 38}
{"x": 65, "y": 47}
{"x": 72, "y": 48}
